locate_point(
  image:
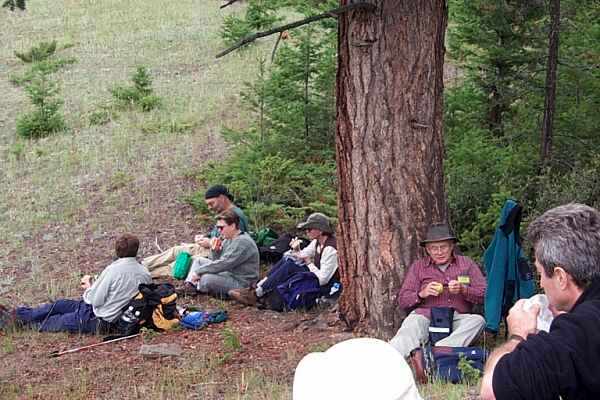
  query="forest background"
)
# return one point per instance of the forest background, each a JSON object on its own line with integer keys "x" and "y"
{"x": 283, "y": 165}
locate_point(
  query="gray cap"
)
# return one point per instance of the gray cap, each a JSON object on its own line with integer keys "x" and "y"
{"x": 317, "y": 221}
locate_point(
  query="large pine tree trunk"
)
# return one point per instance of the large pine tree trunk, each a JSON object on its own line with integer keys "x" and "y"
{"x": 390, "y": 151}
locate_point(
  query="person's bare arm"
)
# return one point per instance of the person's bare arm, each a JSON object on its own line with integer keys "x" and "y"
{"x": 487, "y": 392}
{"x": 520, "y": 324}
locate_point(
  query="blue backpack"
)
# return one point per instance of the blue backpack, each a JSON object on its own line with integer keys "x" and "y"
{"x": 300, "y": 291}
{"x": 443, "y": 361}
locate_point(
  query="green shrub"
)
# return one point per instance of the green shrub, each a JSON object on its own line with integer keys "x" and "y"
{"x": 283, "y": 166}
{"x": 38, "y": 53}
{"x": 45, "y": 119}
{"x": 171, "y": 126}
{"x": 149, "y": 103}
{"x": 44, "y": 67}
{"x": 17, "y": 150}
{"x": 470, "y": 374}
{"x": 231, "y": 339}
{"x": 260, "y": 15}
{"x": 100, "y": 117}
{"x": 43, "y": 60}
{"x": 581, "y": 185}
{"x": 12, "y": 4}
{"x": 140, "y": 94}
{"x": 233, "y": 29}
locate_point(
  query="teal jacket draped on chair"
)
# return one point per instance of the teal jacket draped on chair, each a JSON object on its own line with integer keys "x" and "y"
{"x": 509, "y": 274}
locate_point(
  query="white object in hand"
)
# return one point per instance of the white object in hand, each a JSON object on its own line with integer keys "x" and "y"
{"x": 295, "y": 243}
{"x": 545, "y": 316}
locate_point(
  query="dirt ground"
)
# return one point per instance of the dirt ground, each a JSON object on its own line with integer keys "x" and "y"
{"x": 270, "y": 343}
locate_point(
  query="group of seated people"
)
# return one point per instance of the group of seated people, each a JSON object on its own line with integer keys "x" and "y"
{"x": 225, "y": 264}
{"x": 566, "y": 243}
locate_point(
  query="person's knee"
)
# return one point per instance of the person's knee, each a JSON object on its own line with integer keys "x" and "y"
{"x": 478, "y": 321}
{"x": 206, "y": 283}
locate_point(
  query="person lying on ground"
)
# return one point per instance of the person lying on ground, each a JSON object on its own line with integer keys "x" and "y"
{"x": 218, "y": 199}
{"x": 565, "y": 362}
{"x": 233, "y": 261}
{"x": 102, "y": 300}
{"x": 319, "y": 258}
{"x": 435, "y": 281}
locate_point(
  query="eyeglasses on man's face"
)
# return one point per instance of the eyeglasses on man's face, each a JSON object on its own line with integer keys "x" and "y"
{"x": 220, "y": 227}
{"x": 438, "y": 248}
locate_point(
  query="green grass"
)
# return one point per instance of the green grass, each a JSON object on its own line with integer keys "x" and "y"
{"x": 48, "y": 180}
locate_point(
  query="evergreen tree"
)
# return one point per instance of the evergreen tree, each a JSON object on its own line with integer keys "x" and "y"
{"x": 500, "y": 45}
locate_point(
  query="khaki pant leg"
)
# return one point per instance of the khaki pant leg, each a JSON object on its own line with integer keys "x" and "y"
{"x": 412, "y": 333}
{"x": 168, "y": 256}
{"x": 198, "y": 251}
{"x": 465, "y": 328}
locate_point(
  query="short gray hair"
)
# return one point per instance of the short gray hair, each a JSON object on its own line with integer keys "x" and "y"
{"x": 568, "y": 236}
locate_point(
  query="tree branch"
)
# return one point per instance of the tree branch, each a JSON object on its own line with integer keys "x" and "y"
{"x": 230, "y": 2}
{"x": 329, "y": 14}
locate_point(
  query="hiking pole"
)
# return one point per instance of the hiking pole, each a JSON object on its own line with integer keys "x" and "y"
{"x": 57, "y": 353}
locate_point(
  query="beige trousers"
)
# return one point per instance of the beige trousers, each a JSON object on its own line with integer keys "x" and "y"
{"x": 162, "y": 264}
{"x": 415, "y": 331}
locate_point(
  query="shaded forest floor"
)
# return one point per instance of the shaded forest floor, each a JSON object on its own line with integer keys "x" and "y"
{"x": 253, "y": 351}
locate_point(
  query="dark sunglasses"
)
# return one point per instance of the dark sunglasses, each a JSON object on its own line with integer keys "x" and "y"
{"x": 220, "y": 227}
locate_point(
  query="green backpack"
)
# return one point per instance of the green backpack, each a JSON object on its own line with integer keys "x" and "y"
{"x": 182, "y": 265}
{"x": 264, "y": 237}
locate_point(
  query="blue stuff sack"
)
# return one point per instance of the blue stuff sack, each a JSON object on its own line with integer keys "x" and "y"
{"x": 446, "y": 360}
{"x": 194, "y": 320}
{"x": 300, "y": 291}
{"x": 199, "y": 319}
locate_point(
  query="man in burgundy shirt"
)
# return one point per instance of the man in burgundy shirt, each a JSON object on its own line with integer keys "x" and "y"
{"x": 442, "y": 279}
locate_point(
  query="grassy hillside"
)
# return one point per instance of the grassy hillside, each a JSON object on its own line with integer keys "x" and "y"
{"x": 51, "y": 180}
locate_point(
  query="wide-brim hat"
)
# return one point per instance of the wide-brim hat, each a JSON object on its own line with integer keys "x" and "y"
{"x": 317, "y": 221}
{"x": 438, "y": 233}
{"x": 358, "y": 368}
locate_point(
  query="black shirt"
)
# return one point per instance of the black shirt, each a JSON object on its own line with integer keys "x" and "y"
{"x": 564, "y": 362}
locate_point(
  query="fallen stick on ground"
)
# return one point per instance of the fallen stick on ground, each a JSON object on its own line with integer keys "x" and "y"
{"x": 57, "y": 353}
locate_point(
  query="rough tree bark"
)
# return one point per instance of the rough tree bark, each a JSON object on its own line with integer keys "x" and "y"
{"x": 389, "y": 151}
{"x": 550, "y": 98}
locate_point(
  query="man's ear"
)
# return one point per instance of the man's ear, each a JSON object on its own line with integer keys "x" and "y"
{"x": 562, "y": 277}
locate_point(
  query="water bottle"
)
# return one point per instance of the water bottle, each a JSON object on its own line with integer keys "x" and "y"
{"x": 130, "y": 316}
{"x": 334, "y": 288}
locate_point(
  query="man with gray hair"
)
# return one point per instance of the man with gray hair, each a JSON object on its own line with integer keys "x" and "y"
{"x": 564, "y": 362}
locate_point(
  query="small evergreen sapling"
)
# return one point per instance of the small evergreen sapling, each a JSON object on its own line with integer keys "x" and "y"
{"x": 140, "y": 94}
{"x": 12, "y": 4}
{"x": 38, "y": 53}
{"x": 45, "y": 119}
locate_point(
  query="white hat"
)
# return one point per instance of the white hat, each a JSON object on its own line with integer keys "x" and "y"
{"x": 362, "y": 368}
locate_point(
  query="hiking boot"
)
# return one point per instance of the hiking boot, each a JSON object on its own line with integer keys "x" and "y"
{"x": 8, "y": 318}
{"x": 245, "y": 296}
{"x": 187, "y": 290}
{"x": 417, "y": 361}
